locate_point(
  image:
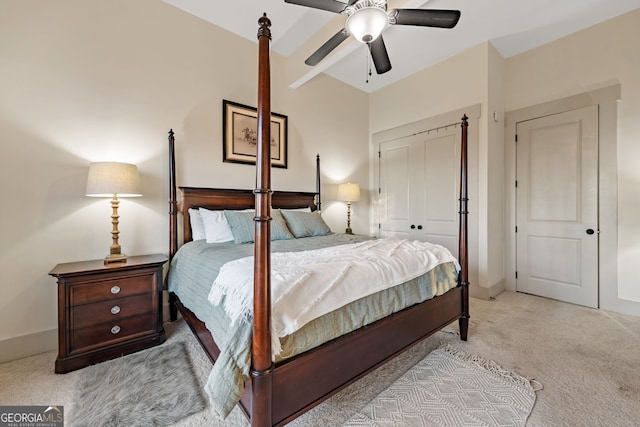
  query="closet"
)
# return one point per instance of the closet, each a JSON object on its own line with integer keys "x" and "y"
{"x": 418, "y": 179}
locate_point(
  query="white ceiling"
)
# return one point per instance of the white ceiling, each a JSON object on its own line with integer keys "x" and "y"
{"x": 512, "y": 26}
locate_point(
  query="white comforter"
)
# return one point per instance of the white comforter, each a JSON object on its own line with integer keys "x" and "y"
{"x": 306, "y": 285}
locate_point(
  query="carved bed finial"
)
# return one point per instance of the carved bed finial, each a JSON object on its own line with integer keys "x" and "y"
{"x": 264, "y": 23}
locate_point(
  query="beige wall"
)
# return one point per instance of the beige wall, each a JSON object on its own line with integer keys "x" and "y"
{"x": 594, "y": 58}
{"x": 89, "y": 80}
{"x": 495, "y": 225}
{"x": 446, "y": 86}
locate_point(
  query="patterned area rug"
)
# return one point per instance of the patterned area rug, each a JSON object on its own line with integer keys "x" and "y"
{"x": 155, "y": 387}
{"x": 451, "y": 388}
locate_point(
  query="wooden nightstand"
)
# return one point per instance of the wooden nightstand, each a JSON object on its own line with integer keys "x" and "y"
{"x": 106, "y": 311}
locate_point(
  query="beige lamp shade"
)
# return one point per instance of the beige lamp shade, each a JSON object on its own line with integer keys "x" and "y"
{"x": 113, "y": 179}
{"x": 109, "y": 178}
{"x": 348, "y": 192}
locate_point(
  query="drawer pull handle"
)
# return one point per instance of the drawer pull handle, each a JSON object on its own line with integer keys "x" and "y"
{"x": 115, "y": 289}
{"x": 115, "y": 309}
{"x": 115, "y": 329}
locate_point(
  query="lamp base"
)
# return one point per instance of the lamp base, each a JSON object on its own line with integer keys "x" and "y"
{"x": 348, "y": 230}
{"x": 114, "y": 258}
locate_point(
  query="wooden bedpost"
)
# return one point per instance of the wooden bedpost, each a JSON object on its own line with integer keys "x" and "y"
{"x": 318, "y": 198}
{"x": 173, "y": 219}
{"x": 173, "y": 203}
{"x": 463, "y": 249}
{"x": 261, "y": 360}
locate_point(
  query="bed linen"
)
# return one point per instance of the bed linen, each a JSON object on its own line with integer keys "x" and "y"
{"x": 309, "y": 284}
{"x": 196, "y": 265}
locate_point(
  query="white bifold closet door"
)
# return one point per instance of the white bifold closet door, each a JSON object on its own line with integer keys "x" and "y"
{"x": 419, "y": 184}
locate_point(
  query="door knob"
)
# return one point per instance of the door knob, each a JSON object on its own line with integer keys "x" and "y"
{"x": 590, "y": 231}
{"x": 413, "y": 226}
{"x": 419, "y": 227}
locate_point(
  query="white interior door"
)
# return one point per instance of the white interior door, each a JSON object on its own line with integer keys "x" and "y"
{"x": 557, "y": 206}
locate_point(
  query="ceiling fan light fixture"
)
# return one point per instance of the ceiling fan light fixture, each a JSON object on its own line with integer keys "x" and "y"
{"x": 366, "y": 24}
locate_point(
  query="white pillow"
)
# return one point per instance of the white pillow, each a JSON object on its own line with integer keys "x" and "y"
{"x": 297, "y": 210}
{"x": 197, "y": 225}
{"x": 216, "y": 227}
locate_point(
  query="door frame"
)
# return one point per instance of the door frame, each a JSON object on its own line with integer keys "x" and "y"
{"x": 606, "y": 99}
{"x": 557, "y": 157}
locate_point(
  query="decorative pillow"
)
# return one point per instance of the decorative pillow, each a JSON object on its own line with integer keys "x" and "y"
{"x": 243, "y": 226}
{"x": 216, "y": 227}
{"x": 197, "y": 225}
{"x": 279, "y": 229}
{"x": 306, "y": 224}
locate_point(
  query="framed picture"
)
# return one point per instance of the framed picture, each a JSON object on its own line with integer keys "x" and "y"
{"x": 240, "y": 135}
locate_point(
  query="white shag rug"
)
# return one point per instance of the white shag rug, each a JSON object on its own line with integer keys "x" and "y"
{"x": 154, "y": 387}
{"x": 451, "y": 388}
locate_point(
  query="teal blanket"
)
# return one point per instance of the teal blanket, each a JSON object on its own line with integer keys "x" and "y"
{"x": 195, "y": 267}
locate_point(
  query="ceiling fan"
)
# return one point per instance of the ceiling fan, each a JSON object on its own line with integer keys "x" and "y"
{"x": 366, "y": 19}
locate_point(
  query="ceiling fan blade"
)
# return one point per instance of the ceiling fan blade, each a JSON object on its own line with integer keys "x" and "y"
{"x": 330, "y": 5}
{"x": 425, "y": 17}
{"x": 327, "y": 47}
{"x": 379, "y": 55}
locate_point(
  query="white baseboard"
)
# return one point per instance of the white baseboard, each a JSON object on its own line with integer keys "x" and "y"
{"x": 28, "y": 345}
{"x": 479, "y": 292}
{"x": 622, "y": 306}
{"x": 165, "y": 311}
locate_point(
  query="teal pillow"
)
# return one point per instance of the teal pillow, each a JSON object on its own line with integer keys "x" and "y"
{"x": 279, "y": 229}
{"x": 306, "y": 224}
{"x": 243, "y": 226}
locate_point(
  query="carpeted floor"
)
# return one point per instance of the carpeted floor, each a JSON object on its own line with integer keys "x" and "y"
{"x": 451, "y": 388}
{"x": 154, "y": 387}
{"x": 588, "y": 361}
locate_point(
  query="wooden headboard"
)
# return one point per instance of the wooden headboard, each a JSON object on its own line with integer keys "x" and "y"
{"x": 231, "y": 199}
{"x": 225, "y": 198}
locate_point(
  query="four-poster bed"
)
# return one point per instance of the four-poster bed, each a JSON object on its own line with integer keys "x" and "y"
{"x": 277, "y": 391}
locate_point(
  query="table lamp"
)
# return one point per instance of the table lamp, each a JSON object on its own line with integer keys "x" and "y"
{"x": 348, "y": 193}
{"x": 113, "y": 179}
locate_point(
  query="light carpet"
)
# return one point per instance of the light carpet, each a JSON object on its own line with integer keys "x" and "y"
{"x": 587, "y": 359}
{"x": 451, "y": 388}
{"x": 155, "y": 387}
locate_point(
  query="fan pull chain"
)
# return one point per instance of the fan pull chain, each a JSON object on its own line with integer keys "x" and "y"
{"x": 368, "y": 62}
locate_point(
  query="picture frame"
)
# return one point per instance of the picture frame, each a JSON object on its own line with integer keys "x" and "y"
{"x": 240, "y": 132}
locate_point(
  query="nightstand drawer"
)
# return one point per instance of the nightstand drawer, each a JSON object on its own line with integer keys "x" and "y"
{"x": 113, "y": 310}
{"x": 112, "y": 288}
{"x": 112, "y": 332}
